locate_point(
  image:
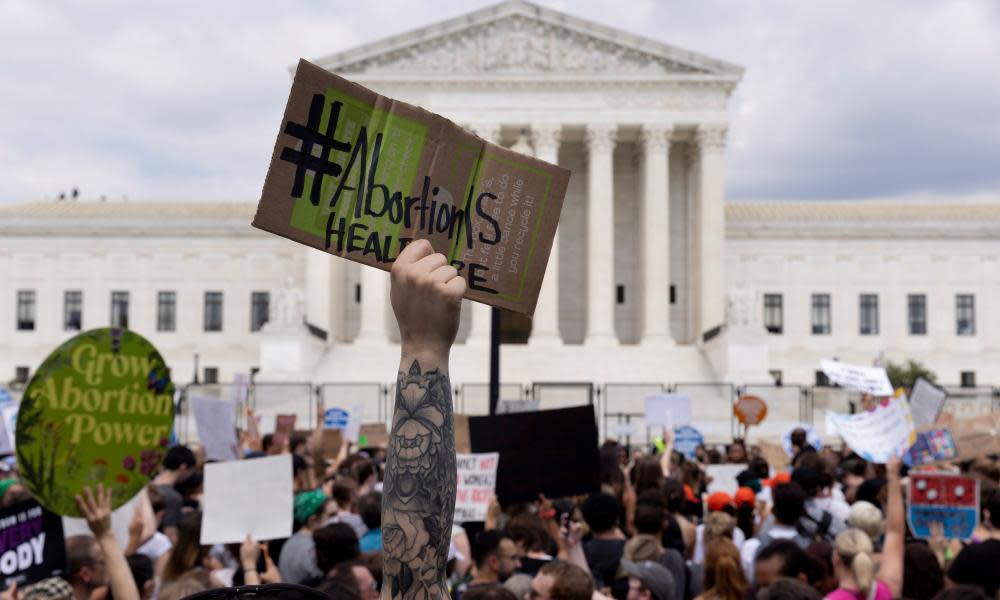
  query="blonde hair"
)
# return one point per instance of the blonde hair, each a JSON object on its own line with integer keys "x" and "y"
{"x": 855, "y": 550}
{"x": 718, "y": 525}
{"x": 868, "y": 518}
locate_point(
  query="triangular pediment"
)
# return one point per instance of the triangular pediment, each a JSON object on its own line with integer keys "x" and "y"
{"x": 519, "y": 38}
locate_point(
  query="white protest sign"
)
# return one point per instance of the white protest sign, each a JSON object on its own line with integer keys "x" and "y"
{"x": 247, "y": 497}
{"x": 877, "y": 435}
{"x": 926, "y": 402}
{"x": 241, "y": 388}
{"x": 668, "y": 410}
{"x": 477, "y": 480}
{"x": 216, "y": 427}
{"x": 870, "y": 380}
{"x": 724, "y": 478}
{"x": 9, "y": 424}
{"x": 354, "y": 423}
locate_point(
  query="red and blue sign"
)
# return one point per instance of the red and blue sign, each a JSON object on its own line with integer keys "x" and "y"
{"x": 950, "y": 500}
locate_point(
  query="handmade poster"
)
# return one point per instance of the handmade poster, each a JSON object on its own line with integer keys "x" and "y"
{"x": 812, "y": 438}
{"x": 100, "y": 409}
{"x": 215, "y": 419}
{"x": 876, "y": 435}
{"x": 361, "y": 175}
{"x": 723, "y": 478}
{"x": 869, "y": 380}
{"x": 333, "y": 439}
{"x": 971, "y": 438}
{"x": 335, "y": 418}
{"x": 247, "y": 497}
{"x": 462, "y": 443}
{"x": 933, "y": 445}
{"x": 926, "y": 402}
{"x": 477, "y": 480}
{"x": 775, "y": 455}
{"x": 668, "y": 410}
{"x": 566, "y": 438}
{"x": 687, "y": 439}
{"x": 750, "y": 410}
{"x": 373, "y": 435}
{"x": 951, "y": 500}
{"x": 32, "y": 547}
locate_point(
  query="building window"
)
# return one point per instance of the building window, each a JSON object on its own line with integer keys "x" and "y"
{"x": 916, "y": 311}
{"x": 213, "y": 311}
{"x": 774, "y": 317}
{"x": 821, "y": 314}
{"x": 965, "y": 314}
{"x": 119, "y": 309}
{"x": 357, "y": 293}
{"x": 22, "y": 374}
{"x": 26, "y": 310}
{"x": 821, "y": 379}
{"x": 968, "y": 379}
{"x": 673, "y": 294}
{"x": 620, "y": 294}
{"x": 868, "y": 315}
{"x": 72, "y": 310}
{"x": 260, "y": 306}
{"x": 166, "y": 311}
{"x": 211, "y": 375}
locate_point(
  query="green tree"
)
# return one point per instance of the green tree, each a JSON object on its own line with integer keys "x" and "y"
{"x": 905, "y": 375}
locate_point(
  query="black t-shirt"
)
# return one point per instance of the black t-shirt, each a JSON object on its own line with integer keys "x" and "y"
{"x": 977, "y": 564}
{"x": 603, "y": 557}
{"x": 531, "y": 566}
{"x": 174, "y": 506}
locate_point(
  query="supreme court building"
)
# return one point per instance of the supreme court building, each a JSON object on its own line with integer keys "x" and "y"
{"x": 654, "y": 278}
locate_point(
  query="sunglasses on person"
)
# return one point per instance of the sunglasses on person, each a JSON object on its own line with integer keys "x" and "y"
{"x": 270, "y": 591}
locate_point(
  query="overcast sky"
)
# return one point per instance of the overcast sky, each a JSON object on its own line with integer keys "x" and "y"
{"x": 181, "y": 100}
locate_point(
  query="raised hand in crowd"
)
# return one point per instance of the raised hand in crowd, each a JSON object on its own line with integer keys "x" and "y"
{"x": 419, "y": 490}
{"x": 95, "y": 506}
{"x": 249, "y": 553}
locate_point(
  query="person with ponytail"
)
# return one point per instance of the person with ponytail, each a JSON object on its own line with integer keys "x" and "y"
{"x": 724, "y": 578}
{"x": 853, "y": 559}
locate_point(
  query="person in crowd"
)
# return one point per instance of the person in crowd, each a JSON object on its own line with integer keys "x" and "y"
{"x": 649, "y": 580}
{"x": 297, "y": 560}
{"x": 800, "y": 445}
{"x": 821, "y": 576}
{"x": 494, "y": 556}
{"x": 789, "y": 506}
{"x": 178, "y": 462}
{"x": 745, "y": 502}
{"x": 736, "y": 453}
{"x": 604, "y": 549}
{"x": 977, "y": 564}
{"x": 719, "y": 504}
{"x": 335, "y": 544}
{"x": 560, "y": 580}
{"x": 647, "y": 474}
{"x": 783, "y": 559}
{"x": 532, "y": 540}
{"x": 724, "y": 579}
{"x": 345, "y": 493}
{"x": 868, "y": 518}
{"x": 491, "y": 593}
{"x": 678, "y": 532}
{"x": 350, "y": 580}
{"x": 923, "y": 577}
{"x": 85, "y": 568}
{"x": 98, "y": 560}
{"x": 788, "y": 589}
{"x": 825, "y": 515}
{"x": 370, "y": 511}
{"x": 192, "y": 582}
{"x": 962, "y": 592}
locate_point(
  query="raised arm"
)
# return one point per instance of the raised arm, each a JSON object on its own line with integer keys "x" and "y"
{"x": 891, "y": 568}
{"x": 419, "y": 490}
{"x": 96, "y": 510}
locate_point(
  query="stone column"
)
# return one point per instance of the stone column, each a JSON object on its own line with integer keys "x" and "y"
{"x": 600, "y": 234}
{"x": 711, "y": 227}
{"x": 374, "y": 284}
{"x": 545, "y": 324}
{"x": 479, "y": 327}
{"x": 656, "y": 234}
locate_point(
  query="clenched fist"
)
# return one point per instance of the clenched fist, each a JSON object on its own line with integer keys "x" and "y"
{"x": 427, "y": 300}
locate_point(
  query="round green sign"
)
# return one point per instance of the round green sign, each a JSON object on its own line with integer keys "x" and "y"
{"x": 100, "y": 409}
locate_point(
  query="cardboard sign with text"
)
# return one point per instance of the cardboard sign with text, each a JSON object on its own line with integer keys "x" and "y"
{"x": 373, "y": 435}
{"x": 949, "y": 500}
{"x": 551, "y": 452}
{"x": 360, "y": 175}
{"x": 963, "y": 439}
{"x": 477, "y": 481}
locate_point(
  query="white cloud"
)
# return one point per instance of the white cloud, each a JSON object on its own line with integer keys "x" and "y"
{"x": 181, "y": 100}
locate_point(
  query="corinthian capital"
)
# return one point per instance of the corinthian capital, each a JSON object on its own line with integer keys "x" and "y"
{"x": 711, "y": 137}
{"x": 601, "y": 137}
{"x": 545, "y": 137}
{"x": 656, "y": 137}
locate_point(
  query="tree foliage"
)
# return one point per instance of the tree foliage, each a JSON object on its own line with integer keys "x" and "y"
{"x": 905, "y": 375}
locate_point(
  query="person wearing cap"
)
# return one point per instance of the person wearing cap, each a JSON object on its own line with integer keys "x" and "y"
{"x": 718, "y": 502}
{"x": 297, "y": 560}
{"x": 648, "y": 580}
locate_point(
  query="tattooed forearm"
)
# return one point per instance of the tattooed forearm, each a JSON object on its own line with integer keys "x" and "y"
{"x": 418, "y": 502}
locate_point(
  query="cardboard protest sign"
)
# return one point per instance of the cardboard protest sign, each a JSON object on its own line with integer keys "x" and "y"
{"x": 100, "y": 409}
{"x": 349, "y": 422}
{"x": 32, "y": 547}
{"x": 926, "y": 402}
{"x": 870, "y": 380}
{"x": 687, "y": 439}
{"x": 335, "y": 418}
{"x": 935, "y": 444}
{"x": 215, "y": 419}
{"x": 775, "y": 455}
{"x": 962, "y": 439}
{"x": 463, "y": 445}
{"x": 360, "y": 175}
{"x": 750, "y": 410}
{"x": 668, "y": 410}
{"x": 552, "y": 452}
{"x": 373, "y": 435}
{"x": 247, "y": 497}
{"x": 723, "y": 478}
{"x": 876, "y": 435}
{"x": 477, "y": 479}
{"x": 333, "y": 439}
{"x": 950, "y": 500}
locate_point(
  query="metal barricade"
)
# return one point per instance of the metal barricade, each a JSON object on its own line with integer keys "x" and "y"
{"x": 184, "y": 421}
{"x": 474, "y": 398}
{"x": 269, "y": 400}
{"x": 554, "y": 394}
{"x": 970, "y": 402}
{"x": 371, "y": 397}
{"x": 711, "y": 409}
{"x": 787, "y": 406}
{"x": 627, "y": 401}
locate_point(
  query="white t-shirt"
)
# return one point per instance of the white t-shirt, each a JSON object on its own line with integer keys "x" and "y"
{"x": 739, "y": 538}
{"x": 749, "y": 550}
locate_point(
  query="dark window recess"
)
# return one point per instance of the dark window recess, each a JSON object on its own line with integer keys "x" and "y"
{"x": 357, "y": 293}
{"x": 822, "y": 380}
{"x": 22, "y": 374}
{"x": 260, "y": 309}
{"x": 673, "y": 294}
{"x": 26, "y": 310}
{"x": 968, "y": 379}
{"x": 211, "y": 375}
{"x": 776, "y": 375}
{"x": 620, "y": 294}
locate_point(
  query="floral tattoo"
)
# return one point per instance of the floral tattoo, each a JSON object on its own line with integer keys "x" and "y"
{"x": 419, "y": 490}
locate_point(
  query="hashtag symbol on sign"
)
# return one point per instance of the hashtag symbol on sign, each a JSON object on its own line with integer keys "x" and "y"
{"x": 311, "y": 137}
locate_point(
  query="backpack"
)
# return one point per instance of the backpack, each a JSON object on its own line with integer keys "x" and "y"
{"x": 822, "y": 533}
